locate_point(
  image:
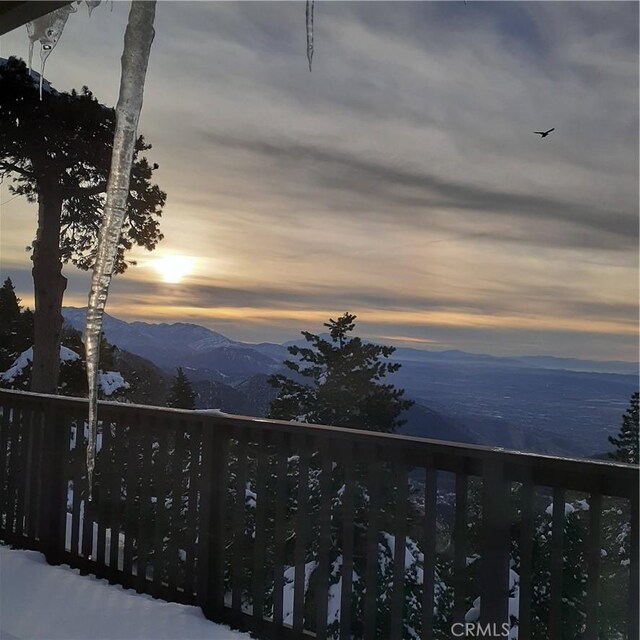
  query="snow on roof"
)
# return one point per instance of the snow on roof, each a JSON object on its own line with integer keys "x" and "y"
{"x": 110, "y": 381}
{"x": 67, "y": 355}
{"x": 26, "y": 358}
{"x": 568, "y": 508}
{"x": 35, "y": 76}
{"x": 42, "y": 602}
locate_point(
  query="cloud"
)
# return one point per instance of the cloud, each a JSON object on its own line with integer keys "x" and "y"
{"x": 411, "y": 196}
{"x": 400, "y": 177}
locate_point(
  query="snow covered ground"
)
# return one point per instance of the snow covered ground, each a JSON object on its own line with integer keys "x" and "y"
{"x": 40, "y": 602}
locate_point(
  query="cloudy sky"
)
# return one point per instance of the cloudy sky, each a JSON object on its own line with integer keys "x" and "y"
{"x": 400, "y": 180}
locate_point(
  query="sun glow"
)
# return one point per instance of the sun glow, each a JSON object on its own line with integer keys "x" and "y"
{"x": 173, "y": 269}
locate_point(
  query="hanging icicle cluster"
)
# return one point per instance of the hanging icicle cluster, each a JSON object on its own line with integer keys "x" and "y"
{"x": 310, "y": 31}
{"x": 48, "y": 29}
{"x": 139, "y": 34}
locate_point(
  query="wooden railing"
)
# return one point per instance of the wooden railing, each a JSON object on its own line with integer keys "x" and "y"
{"x": 282, "y": 528}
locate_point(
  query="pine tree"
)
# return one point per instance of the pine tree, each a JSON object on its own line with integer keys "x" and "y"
{"x": 616, "y": 535}
{"x": 9, "y": 320}
{"x": 9, "y": 305}
{"x": 181, "y": 395}
{"x": 344, "y": 386}
{"x": 16, "y": 326}
{"x": 58, "y": 152}
{"x": 626, "y": 444}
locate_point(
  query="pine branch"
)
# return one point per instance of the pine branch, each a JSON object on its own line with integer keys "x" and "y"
{"x": 7, "y": 166}
{"x": 85, "y": 191}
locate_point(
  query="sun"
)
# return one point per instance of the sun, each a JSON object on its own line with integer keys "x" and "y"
{"x": 173, "y": 269}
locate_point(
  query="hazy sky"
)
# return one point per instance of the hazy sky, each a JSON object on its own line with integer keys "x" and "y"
{"x": 400, "y": 180}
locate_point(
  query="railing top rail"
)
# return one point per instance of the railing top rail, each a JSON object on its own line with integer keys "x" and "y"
{"x": 611, "y": 478}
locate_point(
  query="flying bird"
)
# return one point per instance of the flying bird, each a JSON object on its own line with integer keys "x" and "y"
{"x": 544, "y": 134}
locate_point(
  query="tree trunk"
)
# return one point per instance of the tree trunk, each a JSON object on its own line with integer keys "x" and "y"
{"x": 49, "y": 285}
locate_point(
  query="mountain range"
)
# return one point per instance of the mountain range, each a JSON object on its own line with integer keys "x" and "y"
{"x": 537, "y": 403}
{"x": 181, "y": 345}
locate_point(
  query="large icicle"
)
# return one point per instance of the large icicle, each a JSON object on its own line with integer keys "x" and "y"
{"x": 310, "y": 31}
{"x": 135, "y": 57}
{"x": 47, "y": 30}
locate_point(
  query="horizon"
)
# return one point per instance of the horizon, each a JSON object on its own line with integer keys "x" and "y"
{"x": 401, "y": 180}
{"x": 375, "y": 339}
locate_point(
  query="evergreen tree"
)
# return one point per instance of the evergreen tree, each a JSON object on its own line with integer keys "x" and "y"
{"x": 616, "y": 534}
{"x": 181, "y": 395}
{"x": 9, "y": 305}
{"x": 626, "y": 444}
{"x": 9, "y": 320}
{"x": 338, "y": 382}
{"x": 16, "y": 326}
{"x": 614, "y": 563}
{"x": 58, "y": 151}
{"x": 344, "y": 386}
{"x": 614, "y": 567}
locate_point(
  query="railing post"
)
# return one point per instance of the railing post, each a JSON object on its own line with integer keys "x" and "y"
{"x": 53, "y": 491}
{"x": 5, "y": 470}
{"x": 593, "y": 570}
{"x": 494, "y": 562}
{"x": 213, "y": 492}
{"x": 526, "y": 558}
{"x": 634, "y": 568}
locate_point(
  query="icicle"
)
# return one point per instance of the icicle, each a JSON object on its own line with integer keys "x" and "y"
{"x": 47, "y": 31}
{"x": 135, "y": 57}
{"x": 44, "y": 60}
{"x": 31, "y": 43}
{"x": 91, "y": 5}
{"x": 310, "y": 31}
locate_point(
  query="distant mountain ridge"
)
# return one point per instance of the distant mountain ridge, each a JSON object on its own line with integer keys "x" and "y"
{"x": 530, "y": 403}
{"x": 458, "y": 357}
{"x": 179, "y": 344}
{"x": 187, "y": 344}
{"x": 534, "y": 362}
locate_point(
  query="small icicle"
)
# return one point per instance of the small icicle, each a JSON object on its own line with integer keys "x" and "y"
{"x": 32, "y": 41}
{"x": 47, "y": 31}
{"x": 42, "y": 76}
{"x": 310, "y": 31}
{"x": 135, "y": 57}
{"x": 91, "y": 5}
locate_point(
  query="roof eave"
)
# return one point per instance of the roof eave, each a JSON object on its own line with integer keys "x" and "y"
{"x": 16, "y": 14}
